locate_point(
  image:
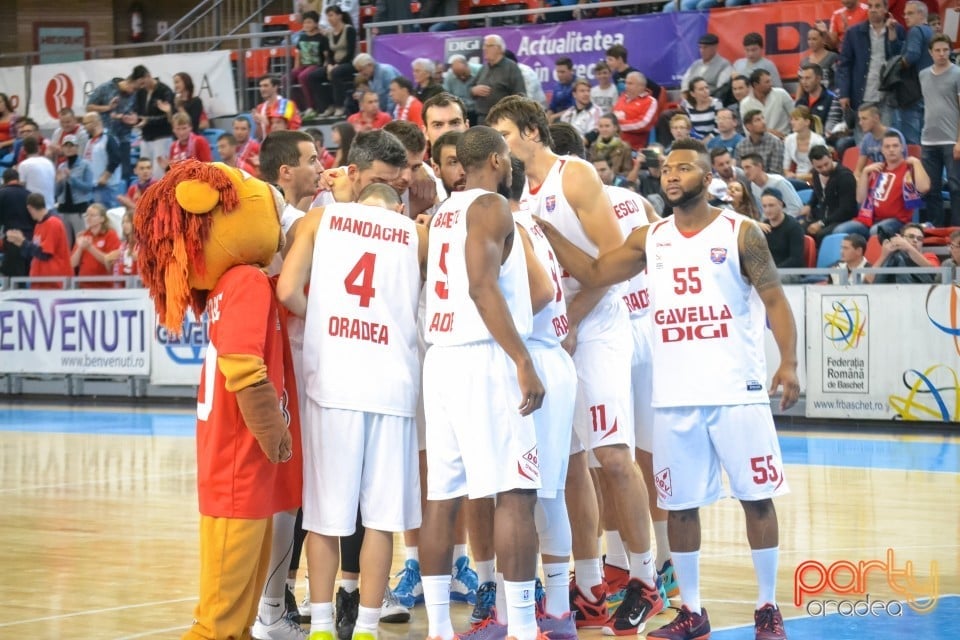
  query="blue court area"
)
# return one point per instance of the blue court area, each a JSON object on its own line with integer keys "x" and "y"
{"x": 878, "y": 452}
{"x": 941, "y": 623}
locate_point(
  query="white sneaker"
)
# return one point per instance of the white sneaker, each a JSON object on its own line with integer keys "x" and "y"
{"x": 304, "y": 607}
{"x": 392, "y": 611}
{"x": 282, "y": 629}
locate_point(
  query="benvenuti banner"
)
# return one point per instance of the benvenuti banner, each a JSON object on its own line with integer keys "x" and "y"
{"x": 661, "y": 45}
{"x": 76, "y": 331}
{"x": 884, "y": 352}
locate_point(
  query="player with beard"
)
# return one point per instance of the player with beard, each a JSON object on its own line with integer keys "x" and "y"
{"x": 712, "y": 277}
{"x": 567, "y": 191}
{"x": 446, "y": 165}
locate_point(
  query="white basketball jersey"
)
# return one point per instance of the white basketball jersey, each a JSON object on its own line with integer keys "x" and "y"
{"x": 708, "y": 321}
{"x": 550, "y": 323}
{"x": 360, "y": 343}
{"x": 549, "y": 203}
{"x": 628, "y": 206}
{"x": 452, "y": 317}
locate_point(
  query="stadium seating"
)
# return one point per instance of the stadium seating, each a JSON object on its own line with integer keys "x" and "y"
{"x": 829, "y": 250}
{"x": 809, "y": 252}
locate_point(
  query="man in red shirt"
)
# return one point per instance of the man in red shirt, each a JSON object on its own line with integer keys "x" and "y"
{"x": 636, "y": 110}
{"x": 248, "y": 149}
{"x": 369, "y": 117}
{"x": 408, "y": 107}
{"x": 187, "y": 144}
{"x": 48, "y": 250}
{"x": 852, "y": 12}
{"x": 890, "y": 191}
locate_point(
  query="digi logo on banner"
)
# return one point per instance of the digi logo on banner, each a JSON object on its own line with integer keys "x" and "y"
{"x": 188, "y": 347}
{"x": 846, "y": 365}
{"x": 470, "y": 48}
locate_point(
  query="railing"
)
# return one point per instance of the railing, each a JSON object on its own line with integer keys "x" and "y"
{"x": 216, "y": 20}
{"x": 487, "y": 19}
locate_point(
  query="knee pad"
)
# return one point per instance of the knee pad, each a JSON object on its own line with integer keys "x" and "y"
{"x": 553, "y": 526}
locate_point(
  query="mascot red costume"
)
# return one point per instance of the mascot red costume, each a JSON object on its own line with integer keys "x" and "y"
{"x": 206, "y": 233}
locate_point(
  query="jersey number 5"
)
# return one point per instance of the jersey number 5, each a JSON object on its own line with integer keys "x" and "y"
{"x": 687, "y": 280}
{"x": 440, "y": 286}
{"x": 359, "y": 282}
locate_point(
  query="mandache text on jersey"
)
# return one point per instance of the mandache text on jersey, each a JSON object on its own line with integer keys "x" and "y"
{"x": 366, "y": 229}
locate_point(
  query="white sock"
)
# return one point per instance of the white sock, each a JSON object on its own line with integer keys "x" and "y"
{"x": 281, "y": 547}
{"x": 616, "y": 552}
{"x": 687, "y": 567}
{"x": 765, "y": 563}
{"x": 641, "y": 567}
{"x": 270, "y": 610}
{"x": 521, "y": 614}
{"x": 436, "y": 598}
{"x": 413, "y": 553}
{"x": 459, "y": 550}
{"x": 349, "y": 585}
{"x": 501, "y": 606}
{"x": 587, "y": 574}
{"x": 321, "y": 616}
{"x": 367, "y": 620}
{"x": 663, "y": 542}
{"x": 556, "y": 583}
{"x": 485, "y": 570}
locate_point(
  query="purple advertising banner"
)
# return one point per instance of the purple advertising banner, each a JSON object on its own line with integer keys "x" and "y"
{"x": 661, "y": 45}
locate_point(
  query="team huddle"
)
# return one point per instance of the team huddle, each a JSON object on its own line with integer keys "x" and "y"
{"x": 552, "y": 344}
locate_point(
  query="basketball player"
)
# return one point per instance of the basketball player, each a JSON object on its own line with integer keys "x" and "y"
{"x": 568, "y": 191}
{"x": 288, "y": 160}
{"x": 442, "y": 113}
{"x": 712, "y": 285}
{"x": 446, "y": 166}
{"x": 632, "y": 211}
{"x": 363, "y": 264}
{"x": 478, "y": 313}
{"x": 554, "y": 424}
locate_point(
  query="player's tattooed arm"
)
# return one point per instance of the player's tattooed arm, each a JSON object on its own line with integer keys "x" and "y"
{"x": 755, "y": 259}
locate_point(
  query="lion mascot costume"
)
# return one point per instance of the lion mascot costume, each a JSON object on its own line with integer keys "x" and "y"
{"x": 206, "y": 233}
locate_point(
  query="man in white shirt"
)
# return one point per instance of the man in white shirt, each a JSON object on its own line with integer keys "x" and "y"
{"x": 775, "y": 103}
{"x": 37, "y": 173}
{"x": 851, "y": 259}
{"x": 759, "y": 179}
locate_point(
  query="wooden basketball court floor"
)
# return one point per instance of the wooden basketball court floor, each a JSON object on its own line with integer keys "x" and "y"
{"x": 98, "y": 531}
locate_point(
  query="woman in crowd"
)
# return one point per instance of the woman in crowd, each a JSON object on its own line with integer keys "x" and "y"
{"x": 702, "y": 109}
{"x": 123, "y": 261}
{"x": 797, "y": 145}
{"x": 8, "y": 126}
{"x": 94, "y": 245}
{"x": 741, "y": 198}
{"x": 342, "y": 137}
{"x": 609, "y": 144}
{"x": 820, "y": 55}
{"x": 185, "y": 102}
{"x": 343, "y": 47}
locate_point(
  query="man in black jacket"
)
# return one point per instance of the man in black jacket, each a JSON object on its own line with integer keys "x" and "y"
{"x": 157, "y": 131}
{"x": 14, "y": 216}
{"x": 834, "y": 201}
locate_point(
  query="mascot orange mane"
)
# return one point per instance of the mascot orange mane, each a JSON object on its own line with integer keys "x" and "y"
{"x": 206, "y": 233}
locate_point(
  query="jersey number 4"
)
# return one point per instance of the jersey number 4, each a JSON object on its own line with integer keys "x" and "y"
{"x": 359, "y": 282}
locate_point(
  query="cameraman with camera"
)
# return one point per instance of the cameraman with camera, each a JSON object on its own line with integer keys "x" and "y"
{"x": 904, "y": 250}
